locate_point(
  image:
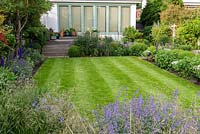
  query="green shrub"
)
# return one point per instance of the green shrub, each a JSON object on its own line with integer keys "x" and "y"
{"x": 130, "y": 34}
{"x": 195, "y": 70}
{"x": 152, "y": 49}
{"x": 74, "y": 51}
{"x": 182, "y": 67}
{"x": 165, "y": 58}
{"x": 33, "y": 56}
{"x": 137, "y": 49}
{"x": 115, "y": 48}
{"x": 87, "y": 44}
{"x": 36, "y": 46}
{"x": 6, "y": 78}
{"x": 181, "y": 53}
{"x": 145, "y": 41}
{"x": 185, "y": 47}
{"x": 149, "y": 54}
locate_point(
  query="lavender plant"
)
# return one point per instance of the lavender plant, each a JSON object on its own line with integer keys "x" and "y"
{"x": 144, "y": 115}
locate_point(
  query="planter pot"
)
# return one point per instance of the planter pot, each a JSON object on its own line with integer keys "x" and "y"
{"x": 57, "y": 36}
{"x": 73, "y": 33}
{"x": 67, "y": 34}
{"x": 61, "y": 34}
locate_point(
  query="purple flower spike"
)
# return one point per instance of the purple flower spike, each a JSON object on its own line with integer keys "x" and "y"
{"x": 111, "y": 129}
{"x": 2, "y": 64}
{"x": 175, "y": 93}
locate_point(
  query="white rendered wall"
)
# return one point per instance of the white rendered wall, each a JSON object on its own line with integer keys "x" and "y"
{"x": 50, "y": 20}
{"x": 133, "y": 15}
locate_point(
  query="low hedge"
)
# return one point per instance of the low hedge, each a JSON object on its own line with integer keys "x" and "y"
{"x": 74, "y": 51}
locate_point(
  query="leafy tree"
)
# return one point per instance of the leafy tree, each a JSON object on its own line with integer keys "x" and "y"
{"x": 19, "y": 12}
{"x": 151, "y": 13}
{"x": 175, "y": 14}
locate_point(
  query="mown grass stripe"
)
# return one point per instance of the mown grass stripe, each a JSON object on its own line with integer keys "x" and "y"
{"x": 117, "y": 79}
{"x": 91, "y": 88}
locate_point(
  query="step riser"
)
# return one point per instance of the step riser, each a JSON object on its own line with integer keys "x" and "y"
{"x": 57, "y": 48}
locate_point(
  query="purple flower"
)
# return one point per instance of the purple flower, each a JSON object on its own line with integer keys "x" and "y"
{"x": 2, "y": 62}
{"x": 61, "y": 119}
{"x": 175, "y": 93}
{"x": 34, "y": 104}
{"x": 111, "y": 129}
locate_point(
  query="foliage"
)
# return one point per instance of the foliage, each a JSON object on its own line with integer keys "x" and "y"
{"x": 177, "y": 2}
{"x": 166, "y": 57}
{"x": 147, "y": 33}
{"x": 21, "y": 67}
{"x": 20, "y": 13}
{"x": 6, "y": 78}
{"x": 145, "y": 41}
{"x": 189, "y": 32}
{"x": 185, "y": 63}
{"x": 37, "y": 36}
{"x": 161, "y": 34}
{"x": 11, "y": 39}
{"x": 175, "y": 14}
{"x": 151, "y": 13}
{"x": 87, "y": 43}
{"x": 150, "y": 53}
{"x": 33, "y": 56}
{"x": 148, "y": 115}
{"x": 19, "y": 115}
{"x": 185, "y": 47}
{"x": 74, "y": 51}
{"x": 130, "y": 34}
{"x": 137, "y": 49}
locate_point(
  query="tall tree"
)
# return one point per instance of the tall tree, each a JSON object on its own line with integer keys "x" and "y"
{"x": 151, "y": 13}
{"x": 19, "y": 12}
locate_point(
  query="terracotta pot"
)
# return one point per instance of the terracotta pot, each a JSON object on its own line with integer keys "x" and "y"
{"x": 61, "y": 34}
{"x": 73, "y": 33}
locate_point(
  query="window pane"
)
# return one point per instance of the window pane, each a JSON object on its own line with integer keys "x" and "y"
{"x": 88, "y": 18}
{"x": 113, "y": 19}
{"x": 76, "y": 18}
{"x": 63, "y": 17}
{"x": 101, "y": 13}
{"x": 125, "y": 17}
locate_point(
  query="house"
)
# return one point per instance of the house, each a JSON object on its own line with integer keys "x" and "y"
{"x": 109, "y": 17}
{"x": 191, "y": 3}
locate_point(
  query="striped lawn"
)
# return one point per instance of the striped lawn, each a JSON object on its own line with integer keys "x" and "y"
{"x": 96, "y": 81}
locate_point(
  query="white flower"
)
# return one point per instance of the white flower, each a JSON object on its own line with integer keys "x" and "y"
{"x": 197, "y": 67}
{"x": 175, "y": 62}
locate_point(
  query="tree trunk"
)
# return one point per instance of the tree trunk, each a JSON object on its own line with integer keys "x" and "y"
{"x": 18, "y": 30}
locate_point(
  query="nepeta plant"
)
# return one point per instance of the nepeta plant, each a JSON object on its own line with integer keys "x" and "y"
{"x": 148, "y": 115}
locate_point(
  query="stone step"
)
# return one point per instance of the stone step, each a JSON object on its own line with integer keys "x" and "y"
{"x": 57, "y": 48}
{"x": 54, "y": 54}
